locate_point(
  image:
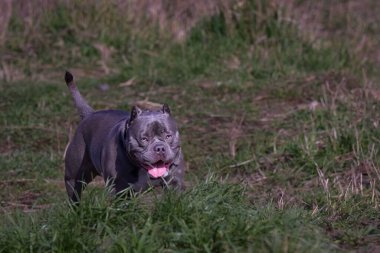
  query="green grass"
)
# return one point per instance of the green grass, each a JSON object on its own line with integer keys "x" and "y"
{"x": 210, "y": 217}
{"x": 266, "y": 172}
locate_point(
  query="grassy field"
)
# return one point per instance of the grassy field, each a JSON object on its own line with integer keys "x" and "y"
{"x": 278, "y": 108}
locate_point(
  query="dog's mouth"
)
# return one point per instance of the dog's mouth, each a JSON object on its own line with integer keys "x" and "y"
{"x": 158, "y": 169}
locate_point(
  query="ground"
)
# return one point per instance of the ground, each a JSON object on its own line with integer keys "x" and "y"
{"x": 278, "y": 108}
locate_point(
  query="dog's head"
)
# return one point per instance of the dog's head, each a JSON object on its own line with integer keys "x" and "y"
{"x": 153, "y": 140}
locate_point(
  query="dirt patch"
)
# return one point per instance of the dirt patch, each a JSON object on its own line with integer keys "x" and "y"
{"x": 25, "y": 202}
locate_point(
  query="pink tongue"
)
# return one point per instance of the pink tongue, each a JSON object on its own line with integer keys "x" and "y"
{"x": 157, "y": 172}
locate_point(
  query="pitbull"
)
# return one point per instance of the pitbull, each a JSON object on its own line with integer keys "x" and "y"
{"x": 129, "y": 150}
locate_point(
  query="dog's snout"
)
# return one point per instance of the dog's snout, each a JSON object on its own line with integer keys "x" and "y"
{"x": 159, "y": 149}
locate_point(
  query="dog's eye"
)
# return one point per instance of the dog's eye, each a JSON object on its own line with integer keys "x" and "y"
{"x": 168, "y": 136}
{"x": 144, "y": 139}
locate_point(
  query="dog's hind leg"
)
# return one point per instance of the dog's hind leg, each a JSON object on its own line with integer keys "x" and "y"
{"x": 79, "y": 170}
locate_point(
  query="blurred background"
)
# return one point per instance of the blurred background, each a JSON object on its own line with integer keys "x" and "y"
{"x": 40, "y": 37}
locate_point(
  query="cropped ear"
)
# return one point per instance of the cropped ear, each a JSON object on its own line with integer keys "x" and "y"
{"x": 135, "y": 112}
{"x": 166, "y": 109}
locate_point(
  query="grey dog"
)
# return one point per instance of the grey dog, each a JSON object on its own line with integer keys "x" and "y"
{"x": 129, "y": 150}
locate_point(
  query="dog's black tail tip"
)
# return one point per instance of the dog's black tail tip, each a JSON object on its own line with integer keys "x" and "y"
{"x": 68, "y": 77}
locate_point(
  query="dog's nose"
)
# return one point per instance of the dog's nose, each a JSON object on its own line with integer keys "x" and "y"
{"x": 159, "y": 149}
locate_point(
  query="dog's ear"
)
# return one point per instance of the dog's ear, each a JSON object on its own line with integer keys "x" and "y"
{"x": 166, "y": 109}
{"x": 135, "y": 112}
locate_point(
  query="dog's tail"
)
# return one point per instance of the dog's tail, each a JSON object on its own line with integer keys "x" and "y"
{"x": 81, "y": 104}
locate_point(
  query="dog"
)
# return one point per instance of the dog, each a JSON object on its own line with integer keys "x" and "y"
{"x": 133, "y": 150}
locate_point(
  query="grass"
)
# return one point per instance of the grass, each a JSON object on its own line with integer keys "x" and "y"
{"x": 279, "y": 132}
{"x": 168, "y": 223}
